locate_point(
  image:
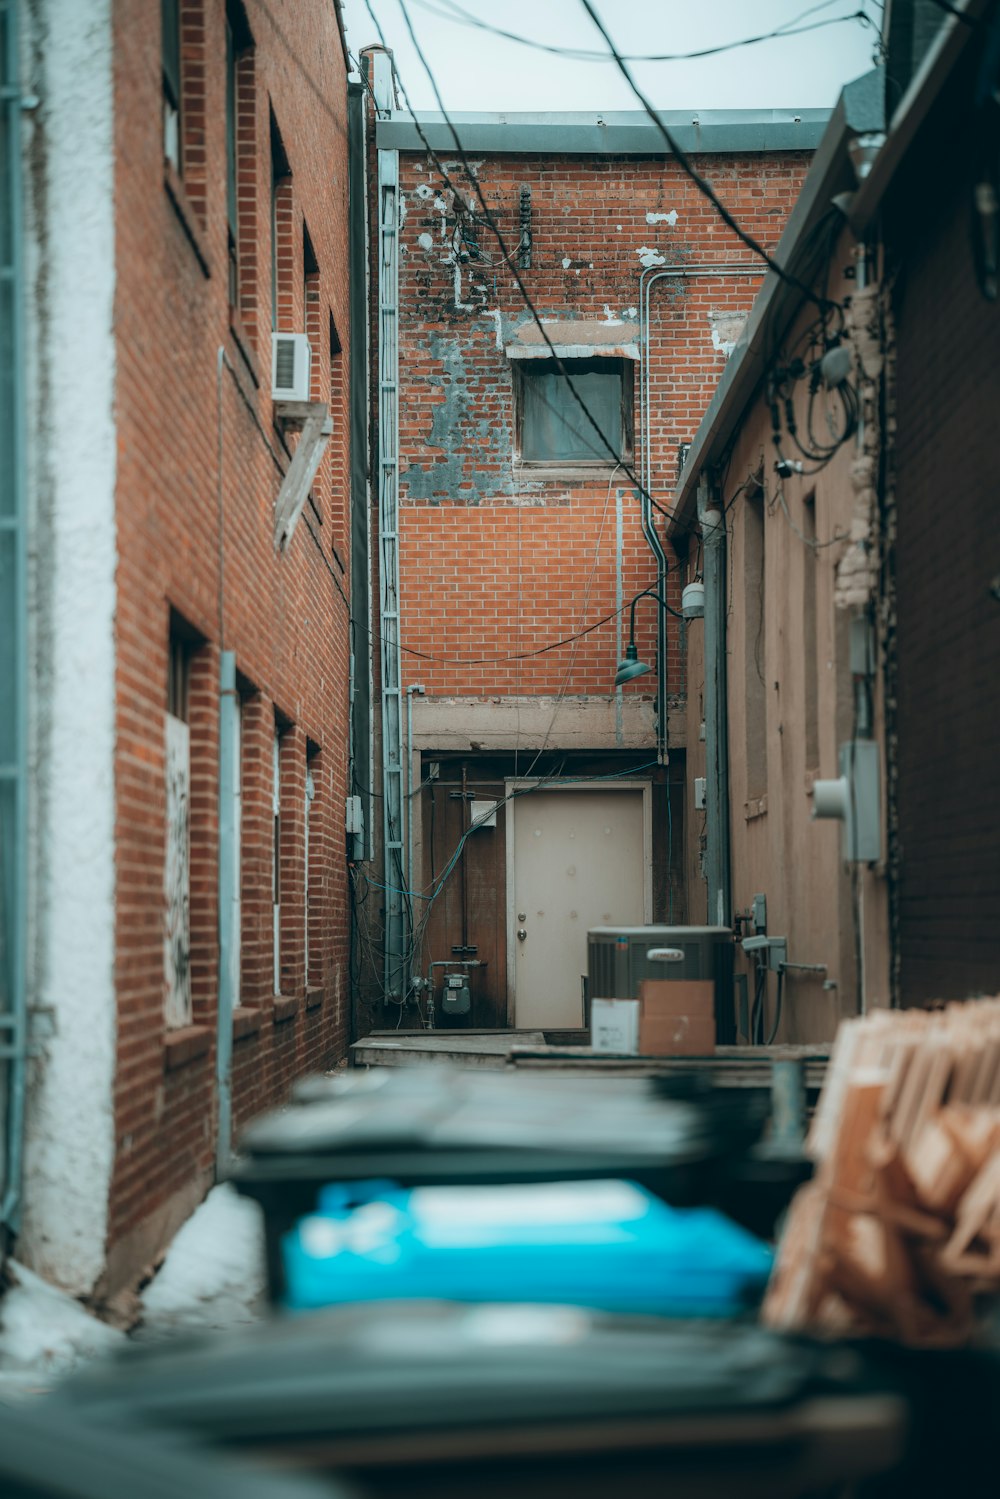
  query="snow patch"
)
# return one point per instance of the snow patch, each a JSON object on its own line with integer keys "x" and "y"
{"x": 662, "y": 218}
{"x": 44, "y": 1332}
{"x": 214, "y": 1274}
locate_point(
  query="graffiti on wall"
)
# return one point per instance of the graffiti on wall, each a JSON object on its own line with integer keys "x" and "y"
{"x": 177, "y": 878}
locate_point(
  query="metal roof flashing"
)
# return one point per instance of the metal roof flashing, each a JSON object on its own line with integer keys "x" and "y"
{"x": 616, "y": 133}
{"x": 859, "y": 111}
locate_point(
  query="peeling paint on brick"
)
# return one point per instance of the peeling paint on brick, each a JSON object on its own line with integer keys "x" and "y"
{"x": 726, "y": 329}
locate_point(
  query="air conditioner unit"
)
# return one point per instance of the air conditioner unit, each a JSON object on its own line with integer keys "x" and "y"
{"x": 290, "y": 360}
{"x": 619, "y": 958}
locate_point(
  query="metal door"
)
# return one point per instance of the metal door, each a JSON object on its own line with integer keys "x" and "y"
{"x": 579, "y": 858}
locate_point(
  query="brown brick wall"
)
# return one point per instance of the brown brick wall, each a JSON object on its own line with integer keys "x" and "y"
{"x": 491, "y": 565}
{"x": 284, "y": 616}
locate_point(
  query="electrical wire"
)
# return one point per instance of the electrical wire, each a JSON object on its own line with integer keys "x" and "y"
{"x": 496, "y": 231}
{"x": 460, "y": 16}
{"x": 704, "y": 187}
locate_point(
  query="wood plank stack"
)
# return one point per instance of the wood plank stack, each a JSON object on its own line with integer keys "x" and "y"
{"x": 898, "y": 1234}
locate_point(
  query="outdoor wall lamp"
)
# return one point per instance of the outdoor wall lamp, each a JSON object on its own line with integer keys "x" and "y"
{"x": 631, "y": 666}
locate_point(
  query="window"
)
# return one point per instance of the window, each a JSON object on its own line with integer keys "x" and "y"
{"x": 170, "y": 52}
{"x": 312, "y": 751}
{"x": 311, "y": 310}
{"x": 177, "y": 858}
{"x": 551, "y": 427}
{"x": 238, "y": 85}
{"x": 281, "y": 228}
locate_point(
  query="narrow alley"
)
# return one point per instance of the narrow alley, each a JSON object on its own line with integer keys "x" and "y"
{"x": 499, "y": 811}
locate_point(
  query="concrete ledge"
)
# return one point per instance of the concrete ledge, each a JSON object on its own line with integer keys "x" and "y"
{"x": 183, "y": 1046}
{"x": 314, "y": 998}
{"x": 247, "y": 1021}
{"x": 506, "y": 723}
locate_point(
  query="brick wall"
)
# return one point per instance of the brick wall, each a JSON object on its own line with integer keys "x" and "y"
{"x": 948, "y": 618}
{"x": 493, "y": 561}
{"x": 199, "y": 461}
{"x": 497, "y": 560}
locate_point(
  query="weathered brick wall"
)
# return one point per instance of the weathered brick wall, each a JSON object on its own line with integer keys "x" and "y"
{"x": 194, "y": 437}
{"x": 494, "y": 562}
{"x": 948, "y": 618}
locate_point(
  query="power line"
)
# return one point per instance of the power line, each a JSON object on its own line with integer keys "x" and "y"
{"x": 458, "y": 15}
{"x": 704, "y": 187}
{"x": 495, "y": 230}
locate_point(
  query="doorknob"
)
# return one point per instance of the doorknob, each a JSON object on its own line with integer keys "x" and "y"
{"x": 521, "y": 934}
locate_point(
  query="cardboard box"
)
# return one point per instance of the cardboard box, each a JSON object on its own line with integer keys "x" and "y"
{"x": 614, "y": 1025}
{"x": 677, "y": 1017}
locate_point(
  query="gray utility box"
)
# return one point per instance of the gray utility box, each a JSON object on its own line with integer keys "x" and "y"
{"x": 620, "y": 957}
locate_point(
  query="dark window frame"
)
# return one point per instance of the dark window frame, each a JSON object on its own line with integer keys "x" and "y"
{"x": 528, "y": 369}
{"x": 239, "y": 41}
{"x": 172, "y": 81}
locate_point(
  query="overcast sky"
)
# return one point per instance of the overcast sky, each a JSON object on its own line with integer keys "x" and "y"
{"x": 476, "y": 70}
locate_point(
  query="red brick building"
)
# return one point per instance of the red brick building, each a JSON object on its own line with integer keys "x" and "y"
{"x": 523, "y": 533}
{"x": 201, "y": 927}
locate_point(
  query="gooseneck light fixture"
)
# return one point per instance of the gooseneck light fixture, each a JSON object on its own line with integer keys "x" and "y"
{"x": 631, "y": 666}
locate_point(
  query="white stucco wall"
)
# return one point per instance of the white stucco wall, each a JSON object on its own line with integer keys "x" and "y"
{"x": 70, "y": 184}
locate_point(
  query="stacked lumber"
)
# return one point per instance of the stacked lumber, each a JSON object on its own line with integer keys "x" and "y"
{"x": 898, "y": 1233}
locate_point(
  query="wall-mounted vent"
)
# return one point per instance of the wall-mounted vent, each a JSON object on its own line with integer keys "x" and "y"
{"x": 290, "y": 359}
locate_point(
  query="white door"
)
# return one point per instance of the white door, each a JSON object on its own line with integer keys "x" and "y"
{"x": 579, "y": 860}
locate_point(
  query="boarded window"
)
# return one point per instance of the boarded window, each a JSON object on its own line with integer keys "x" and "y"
{"x": 552, "y": 426}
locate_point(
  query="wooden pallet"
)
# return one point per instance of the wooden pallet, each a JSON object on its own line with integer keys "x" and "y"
{"x": 727, "y": 1066}
{"x": 898, "y": 1234}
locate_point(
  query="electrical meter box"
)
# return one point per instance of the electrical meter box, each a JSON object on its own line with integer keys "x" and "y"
{"x": 619, "y": 958}
{"x": 456, "y": 996}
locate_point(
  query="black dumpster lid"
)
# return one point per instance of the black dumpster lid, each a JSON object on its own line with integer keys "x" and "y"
{"x": 436, "y": 1108}
{"x": 396, "y": 1366}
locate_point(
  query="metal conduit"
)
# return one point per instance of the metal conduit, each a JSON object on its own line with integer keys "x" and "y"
{"x": 13, "y": 634}
{"x": 647, "y": 278}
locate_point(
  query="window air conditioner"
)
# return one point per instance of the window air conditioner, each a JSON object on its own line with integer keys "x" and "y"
{"x": 290, "y": 359}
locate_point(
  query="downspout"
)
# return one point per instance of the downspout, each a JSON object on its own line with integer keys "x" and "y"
{"x": 713, "y": 531}
{"x": 227, "y": 873}
{"x": 647, "y": 277}
{"x": 14, "y": 619}
{"x": 228, "y": 939}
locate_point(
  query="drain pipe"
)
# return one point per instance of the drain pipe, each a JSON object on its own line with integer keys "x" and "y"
{"x": 228, "y": 938}
{"x": 647, "y": 278}
{"x": 713, "y": 532}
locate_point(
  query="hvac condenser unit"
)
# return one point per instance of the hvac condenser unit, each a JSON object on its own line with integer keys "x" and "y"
{"x": 290, "y": 360}
{"x": 619, "y": 958}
